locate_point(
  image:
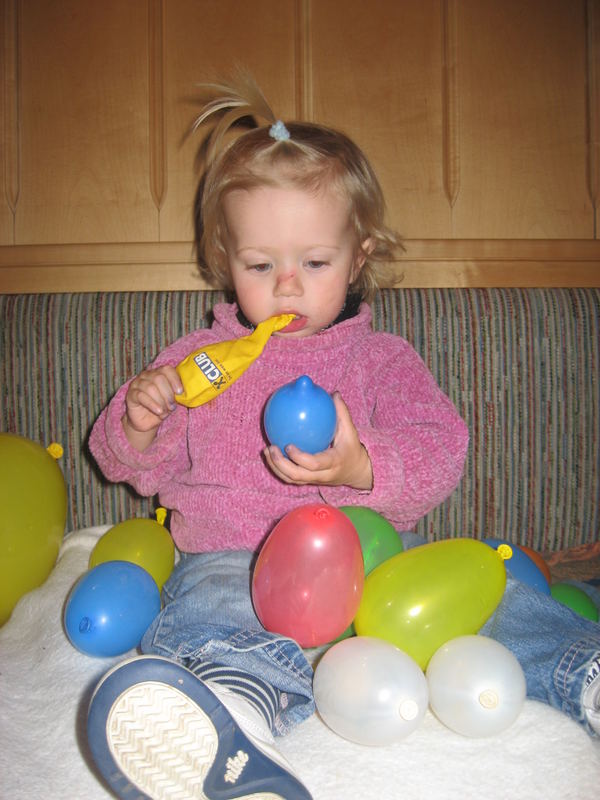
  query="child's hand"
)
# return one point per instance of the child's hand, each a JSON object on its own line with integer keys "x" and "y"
{"x": 345, "y": 463}
{"x": 149, "y": 400}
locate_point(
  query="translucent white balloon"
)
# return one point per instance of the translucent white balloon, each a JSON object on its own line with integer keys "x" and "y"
{"x": 476, "y": 686}
{"x": 369, "y": 691}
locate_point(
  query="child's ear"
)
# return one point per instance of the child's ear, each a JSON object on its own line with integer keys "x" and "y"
{"x": 362, "y": 254}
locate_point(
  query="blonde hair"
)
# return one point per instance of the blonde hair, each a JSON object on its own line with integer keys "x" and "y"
{"x": 314, "y": 157}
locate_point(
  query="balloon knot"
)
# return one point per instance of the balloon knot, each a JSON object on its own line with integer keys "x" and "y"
{"x": 55, "y": 450}
{"x": 161, "y": 515}
{"x": 505, "y": 552}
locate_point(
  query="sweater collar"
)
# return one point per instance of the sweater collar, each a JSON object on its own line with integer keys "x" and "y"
{"x": 344, "y": 333}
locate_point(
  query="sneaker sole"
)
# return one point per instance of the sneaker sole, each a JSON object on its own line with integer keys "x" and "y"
{"x": 158, "y": 739}
{"x": 161, "y": 741}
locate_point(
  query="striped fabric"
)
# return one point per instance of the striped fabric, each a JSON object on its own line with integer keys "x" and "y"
{"x": 522, "y": 366}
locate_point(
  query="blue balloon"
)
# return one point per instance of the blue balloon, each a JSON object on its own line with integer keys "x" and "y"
{"x": 521, "y": 567}
{"x": 110, "y": 608}
{"x": 300, "y": 413}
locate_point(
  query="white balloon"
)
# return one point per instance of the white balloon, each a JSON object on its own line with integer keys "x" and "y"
{"x": 369, "y": 691}
{"x": 476, "y": 686}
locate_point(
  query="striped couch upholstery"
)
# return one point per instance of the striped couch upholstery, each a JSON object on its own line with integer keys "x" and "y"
{"x": 522, "y": 366}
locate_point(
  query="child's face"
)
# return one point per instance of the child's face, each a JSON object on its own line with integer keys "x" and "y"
{"x": 290, "y": 251}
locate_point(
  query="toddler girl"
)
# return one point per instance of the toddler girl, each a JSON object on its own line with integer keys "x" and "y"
{"x": 291, "y": 220}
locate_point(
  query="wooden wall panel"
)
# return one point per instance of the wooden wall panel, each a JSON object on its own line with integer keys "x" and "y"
{"x": 84, "y": 123}
{"x": 378, "y": 76}
{"x": 523, "y": 153}
{"x": 593, "y": 105}
{"x": 481, "y": 117}
{"x": 203, "y": 41}
{"x": 8, "y": 120}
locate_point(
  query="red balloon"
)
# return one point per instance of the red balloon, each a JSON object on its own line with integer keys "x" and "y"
{"x": 309, "y": 575}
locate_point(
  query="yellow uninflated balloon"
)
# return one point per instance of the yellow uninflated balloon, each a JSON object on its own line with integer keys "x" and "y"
{"x": 144, "y": 542}
{"x": 421, "y": 598}
{"x": 33, "y": 511}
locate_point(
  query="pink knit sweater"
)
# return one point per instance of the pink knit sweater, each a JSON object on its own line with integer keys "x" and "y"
{"x": 206, "y": 463}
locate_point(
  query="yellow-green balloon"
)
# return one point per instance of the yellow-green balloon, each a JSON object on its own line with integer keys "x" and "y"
{"x": 421, "y": 598}
{"x": 33, "y": 511}
{"x": 144, "y": 542}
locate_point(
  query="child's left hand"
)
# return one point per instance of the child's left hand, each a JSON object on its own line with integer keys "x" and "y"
{"x": 345, "y": 463}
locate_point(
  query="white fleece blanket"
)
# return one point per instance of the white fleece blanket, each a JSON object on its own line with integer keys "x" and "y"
{"x": 45, "y": 686}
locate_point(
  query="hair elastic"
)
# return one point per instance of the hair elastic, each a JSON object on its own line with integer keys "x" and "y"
{"x": 279, "y": 132}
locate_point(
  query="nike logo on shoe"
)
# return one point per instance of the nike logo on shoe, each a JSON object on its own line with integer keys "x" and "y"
{"x": 235, "y": 766}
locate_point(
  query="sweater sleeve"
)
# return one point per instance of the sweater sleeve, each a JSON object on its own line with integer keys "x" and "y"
{"x": 149, "y": 470}
{"x": 145, "y": 471}
{"x": 416, "y": 440}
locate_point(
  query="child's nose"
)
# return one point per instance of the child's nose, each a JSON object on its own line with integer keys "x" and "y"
{"x": 288, "y": 284}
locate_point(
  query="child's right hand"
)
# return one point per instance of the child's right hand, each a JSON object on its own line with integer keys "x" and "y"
{"x": 149, "y": 400}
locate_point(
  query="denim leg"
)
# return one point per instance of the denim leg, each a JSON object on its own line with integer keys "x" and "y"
{"x": 208, "y": 616}
{"x": 554, "y": 645}
{"x": 410, "y": 539}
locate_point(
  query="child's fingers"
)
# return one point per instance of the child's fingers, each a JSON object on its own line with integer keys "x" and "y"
{"x": 174, "y": 379}
{"x": 155, "y": 390}
{"x": 298, "y": 467}
{"x": 310, "y": 461}
{"x": 344, "y": 420}
{"x": 152, "y": 401}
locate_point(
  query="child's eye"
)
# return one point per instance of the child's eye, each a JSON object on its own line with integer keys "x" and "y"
{"x": 260, "y": 267}
{"x": 313, "y": 264}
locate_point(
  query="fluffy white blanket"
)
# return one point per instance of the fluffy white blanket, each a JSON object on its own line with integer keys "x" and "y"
{"x": 45, "y": 686}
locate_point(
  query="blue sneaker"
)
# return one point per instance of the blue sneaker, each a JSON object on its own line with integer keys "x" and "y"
{"x": 157, "y": 731}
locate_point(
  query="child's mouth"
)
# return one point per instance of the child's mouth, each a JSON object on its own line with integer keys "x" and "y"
{"x": 295, "y": 325}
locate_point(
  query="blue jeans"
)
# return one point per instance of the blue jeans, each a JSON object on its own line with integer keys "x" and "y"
{"x": 554, "y": 645}
{"x": 208, "y": 615}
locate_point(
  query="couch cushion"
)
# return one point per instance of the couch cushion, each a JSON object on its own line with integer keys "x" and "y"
{"x": 522, "y": 366}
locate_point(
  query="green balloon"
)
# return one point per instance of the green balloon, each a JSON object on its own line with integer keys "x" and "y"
{"x": 379, "y": 539}
{"x": 345, "y": 635}
{"x": 576, "y": 599}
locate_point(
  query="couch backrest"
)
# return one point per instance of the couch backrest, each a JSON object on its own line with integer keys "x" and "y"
{"x": 521, "y": 365}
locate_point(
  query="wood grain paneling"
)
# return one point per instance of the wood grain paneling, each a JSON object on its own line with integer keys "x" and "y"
{"x": 523, "y": 121}
{"x": 378, "y": 76}
{"x": 450, "y": 101}
{"x": 83, "y": 71}
{"x": 204, "y": 41}
{"x": 426, "y": 262}
{"x": 481, "y": 117}
{"x": 593, "y": 106}
{"x": 156, "y": 101}
{"x": 9, "y": 96}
